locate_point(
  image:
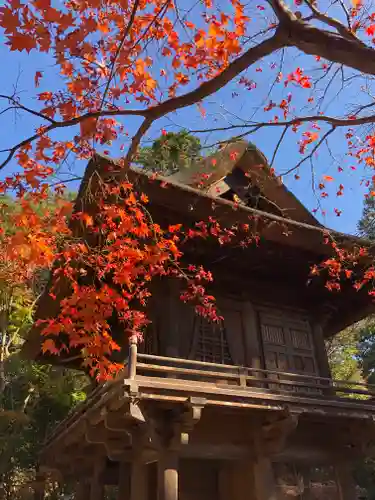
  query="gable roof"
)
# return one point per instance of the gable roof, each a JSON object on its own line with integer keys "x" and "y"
{"x": 241, "y": 167}
{"x": 179, "y": 197}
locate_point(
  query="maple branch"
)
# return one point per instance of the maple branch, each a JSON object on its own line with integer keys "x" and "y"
{"x": 314, "y": 41}
{"x": 252, "y": 55}
{"x": 314, "y": 149}
{"x": 334, "y": 23}
{"x": 18, "y": 105}
{"x": 336, "y": 122}
{"x": 279, "y": 144}
{"x": 146, "y": 124}
{"x": 119, "y": 49}
{"x": 68, "y": 123}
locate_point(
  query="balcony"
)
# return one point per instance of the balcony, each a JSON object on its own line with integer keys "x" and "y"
{"x": 151, "y": 387}
{"x": 248, "y": 387}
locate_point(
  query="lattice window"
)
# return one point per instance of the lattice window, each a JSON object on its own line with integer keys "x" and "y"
{"x": 300, "y": 339}
{"x": 272, "y": 334}
{"x": 211, "y": 342}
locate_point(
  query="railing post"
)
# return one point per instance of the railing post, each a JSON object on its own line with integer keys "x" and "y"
{"x": 132, "y": 363}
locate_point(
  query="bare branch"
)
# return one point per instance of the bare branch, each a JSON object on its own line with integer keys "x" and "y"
{"x": 336, "y": 122}
{"x": 278, "y": 145}
{"x": 314, "y": 149}
{"x": 18, "y": 105}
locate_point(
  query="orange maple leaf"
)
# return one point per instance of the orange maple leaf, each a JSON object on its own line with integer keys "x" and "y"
{"x": 328, "y": 178}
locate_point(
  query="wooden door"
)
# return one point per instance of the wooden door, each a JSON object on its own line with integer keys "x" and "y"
{"x": 288, "y": 347}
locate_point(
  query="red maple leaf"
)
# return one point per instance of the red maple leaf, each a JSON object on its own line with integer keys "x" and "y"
{"x": 20, "y": 42}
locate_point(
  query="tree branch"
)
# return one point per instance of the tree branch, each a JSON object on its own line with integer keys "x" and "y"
{"x": 331, "y": 46}
{"x": 334, "y": 23}
{"x": 314, "y": 149}
{"x": 18, "y": 105}
{"x": 119, "y": 49}
{"x": 252, "y": 55}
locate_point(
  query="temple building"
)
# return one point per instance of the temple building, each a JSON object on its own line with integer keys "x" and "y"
{"x": 241, "y": 410}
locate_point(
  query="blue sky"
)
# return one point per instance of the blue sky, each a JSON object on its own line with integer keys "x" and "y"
{"x": 222, "y": 109}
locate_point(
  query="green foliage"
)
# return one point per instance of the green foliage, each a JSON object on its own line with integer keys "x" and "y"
{"x": 366, "y": 225}
{"x": 343, "y": 352}
{"x": 170, "y": 153}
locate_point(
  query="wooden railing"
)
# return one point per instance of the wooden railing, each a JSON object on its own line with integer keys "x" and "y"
{"x": 250, "y": 378}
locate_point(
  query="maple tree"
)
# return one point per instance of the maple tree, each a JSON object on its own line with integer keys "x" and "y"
{"x": 122, "y": 69}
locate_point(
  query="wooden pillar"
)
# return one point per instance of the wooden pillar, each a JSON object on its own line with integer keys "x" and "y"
{"x": 236, "y": 480}
{"x": 40, "y": 484}
{"x": 168, "y": 475}
{"x": 138, "y": 480}
{"x": 320, "y": 351}
{"x": 81, "y": 490}
{"x": 345, "y": 480}
{"x": 253, "y": 341}
{"x": 124, "y": 481}
{"x": 264, "y": 480}
{"x": 132, "y": 363}
{"x": 97, "y": 480}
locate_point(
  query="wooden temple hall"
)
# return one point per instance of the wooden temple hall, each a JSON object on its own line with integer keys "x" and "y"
{"x": 244, "y": 410}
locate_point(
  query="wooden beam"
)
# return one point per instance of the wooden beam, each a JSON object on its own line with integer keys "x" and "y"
{"x": 168, "y": 475}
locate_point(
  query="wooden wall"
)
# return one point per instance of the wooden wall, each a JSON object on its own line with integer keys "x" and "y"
{"x": 261, "y": 330}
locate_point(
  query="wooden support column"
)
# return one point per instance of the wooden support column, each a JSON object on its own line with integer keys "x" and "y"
{"x": 264, "y": 480}
{"x": 253, "y": 347}
{"x": 97, "y": 480}
{"x": 345, "y": 480}
{"x": 168, "y": 475}
{"x": 138, "y": 480}
{"x": 132, "y": 363}
{"x": 124, "y": 481}
{"x": 81, "y": 490}
{"x": 39, "y": 488}
{"x": 236, "y": 480}
{"x": 320, "y": 351}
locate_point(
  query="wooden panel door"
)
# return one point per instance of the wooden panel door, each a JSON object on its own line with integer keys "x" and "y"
{"x": 287, "y": 346}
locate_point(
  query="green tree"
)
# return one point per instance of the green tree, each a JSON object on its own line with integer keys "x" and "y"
{"x": 170, "y": 153}
{"x": 366, "y": 224}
